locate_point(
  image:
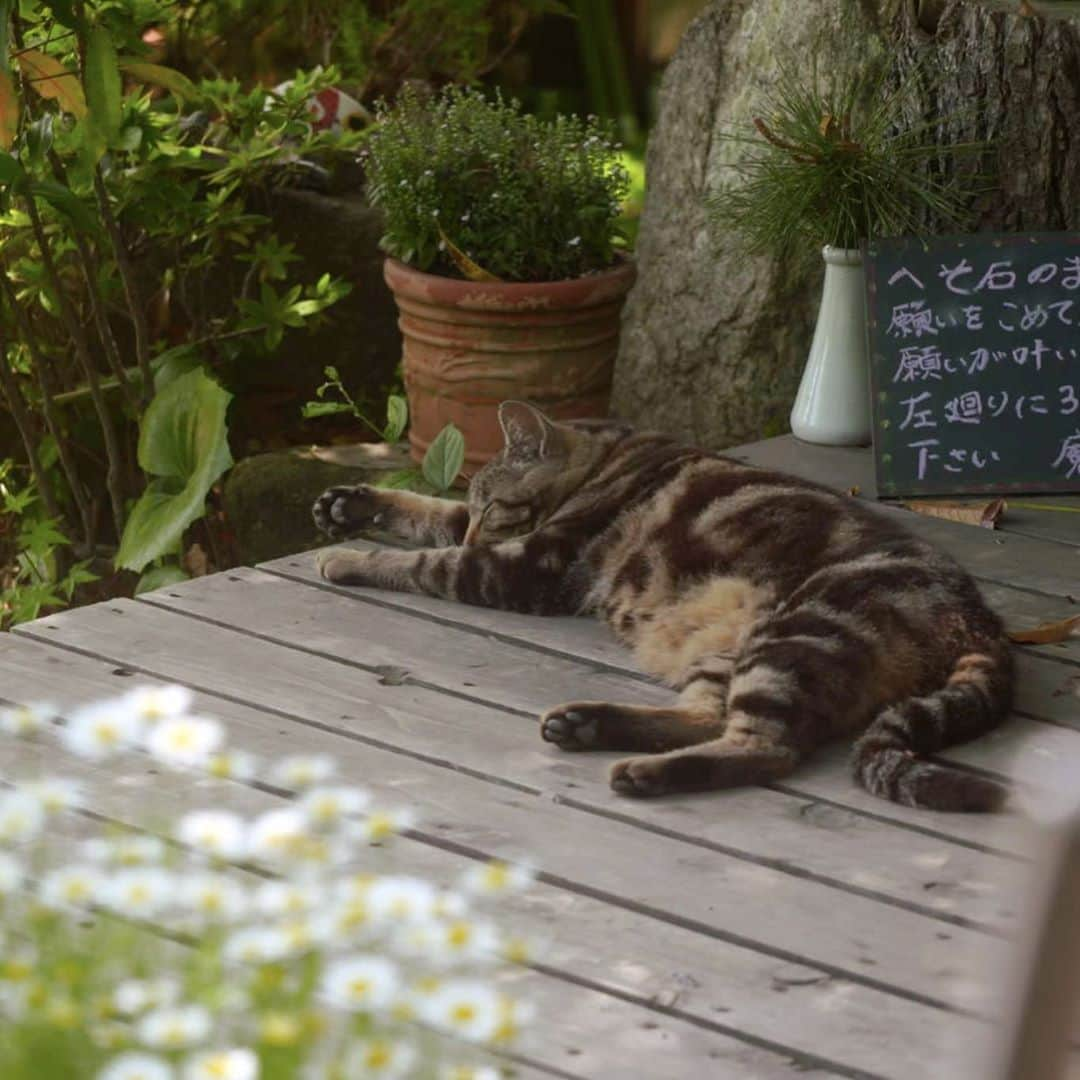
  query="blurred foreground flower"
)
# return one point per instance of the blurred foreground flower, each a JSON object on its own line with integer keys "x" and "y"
{"x": 263, "y": 938}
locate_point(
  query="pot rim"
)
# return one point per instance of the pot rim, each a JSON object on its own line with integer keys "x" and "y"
{"x": 585, "y": 291}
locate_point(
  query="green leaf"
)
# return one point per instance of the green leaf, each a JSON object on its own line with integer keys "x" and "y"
{"x": 11, "y": 171}
{"x": 173, "y": 363}
{"x": 158, "y": 577}
{"x": 101, "y": 79}
{"x": 324, "y": 408}
{"x": 167, "y": 78}
{"x": 397, "y": 416}
{"x": 182, "y": 442}
{"x": 444, "y": 458}
{"x": 65, "y": 200}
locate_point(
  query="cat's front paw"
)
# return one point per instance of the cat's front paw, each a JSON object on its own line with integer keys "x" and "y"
{"x": 569, "y": 728}
{"x": 344, "y": 567}
{"x": 340, "y": 511}
{"x": 641, "y": 778}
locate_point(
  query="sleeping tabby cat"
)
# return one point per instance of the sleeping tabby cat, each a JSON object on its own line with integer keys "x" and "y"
{"x": 785, "y": 614}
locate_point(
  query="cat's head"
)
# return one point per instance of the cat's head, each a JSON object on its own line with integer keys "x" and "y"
{"x": 542, "y": 463}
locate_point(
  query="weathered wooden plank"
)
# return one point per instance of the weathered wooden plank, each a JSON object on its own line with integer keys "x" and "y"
{"x": 1048, "y": 565}
{"x": 765, "y": 825}
{"x": 903, "y": 946}
{"x": 654, "y": 962}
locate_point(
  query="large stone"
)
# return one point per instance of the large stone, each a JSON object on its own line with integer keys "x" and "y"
{"x": 268, "y": 497}
{"x": 713, "y": 343}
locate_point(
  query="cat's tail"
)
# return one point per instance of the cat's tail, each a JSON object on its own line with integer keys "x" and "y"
{"x": 888, "y": 759}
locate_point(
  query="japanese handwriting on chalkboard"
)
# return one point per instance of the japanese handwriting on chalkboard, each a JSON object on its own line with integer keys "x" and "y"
{"x": 1070, "y": 455}
{"x": 954, "y": 459}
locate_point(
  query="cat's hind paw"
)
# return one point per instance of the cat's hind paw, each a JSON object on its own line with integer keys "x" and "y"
{"x": 340, "y": 511}
{"x": 640, "y": 778}
{"x": 569, "y": 728}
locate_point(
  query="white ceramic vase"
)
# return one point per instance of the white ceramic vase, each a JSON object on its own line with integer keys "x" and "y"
{"x": 833, "y": 403}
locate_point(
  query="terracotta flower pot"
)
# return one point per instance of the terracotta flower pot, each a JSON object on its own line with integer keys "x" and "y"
{"x": 470, "y": 345}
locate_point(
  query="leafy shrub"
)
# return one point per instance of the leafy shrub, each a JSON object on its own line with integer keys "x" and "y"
{"x": 474, "y": 186}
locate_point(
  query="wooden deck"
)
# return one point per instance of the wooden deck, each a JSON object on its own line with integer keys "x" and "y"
{"x": 801, "y": 928}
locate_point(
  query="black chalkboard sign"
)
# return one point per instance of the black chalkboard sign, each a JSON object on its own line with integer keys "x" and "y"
{"x": 975, "y": 363}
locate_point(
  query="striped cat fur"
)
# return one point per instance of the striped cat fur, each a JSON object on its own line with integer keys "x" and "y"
{"x": 785, "y": 614}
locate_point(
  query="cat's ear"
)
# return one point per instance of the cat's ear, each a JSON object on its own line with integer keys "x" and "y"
{"x": 527, "y": 431}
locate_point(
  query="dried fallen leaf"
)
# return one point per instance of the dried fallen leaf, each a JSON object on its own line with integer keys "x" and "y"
{"x": 853, "y": 490}
{"x": 473, "y": 271}
{"x": 984, "y": 514}
{"x": 1047, "y": 633}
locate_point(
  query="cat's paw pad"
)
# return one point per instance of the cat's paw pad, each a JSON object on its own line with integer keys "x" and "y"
{"x": 569, "y": 729}
{"x": 640, "y": 778}
{"x": 341, "y": 510}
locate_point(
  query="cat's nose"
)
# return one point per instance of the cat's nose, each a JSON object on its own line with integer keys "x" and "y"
{"x": 472, "y": 533}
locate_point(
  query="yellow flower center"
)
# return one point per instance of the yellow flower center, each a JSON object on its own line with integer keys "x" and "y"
{"x": 459, "y": 935}
{"x": 463, "y": 1012}
{"x": 359, "y": 988}
{"x": 106, "y": 732}
{"x": 378, "y": 1056}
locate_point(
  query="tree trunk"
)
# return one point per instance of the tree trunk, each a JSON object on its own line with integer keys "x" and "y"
{"x": 714, "y": 343}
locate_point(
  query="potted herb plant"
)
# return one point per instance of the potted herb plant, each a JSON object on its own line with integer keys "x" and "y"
{"x": 834, "y": 163}
{"x": 502, "y": 231}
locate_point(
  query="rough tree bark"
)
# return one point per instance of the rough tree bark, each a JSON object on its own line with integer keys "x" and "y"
{"x": 713, "y": 343}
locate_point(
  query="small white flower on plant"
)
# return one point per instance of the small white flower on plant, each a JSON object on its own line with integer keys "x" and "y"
{"x": 214, "y": 832}
{"x": 327, "y": 807}
{"x": 70, "y": 886}
{"x": 214, "y": 897}
{"x": 135, "y": 1066}
{"x": 402, "y": 899}
{"x": 22, "y": 817}
{"x": 380, "y": 826}
{"x": 469, "y": 1072}
{"x": 302, "y": 771}
{"x": 96, "y": 731}
{"x": 465, "y": 1007}
{"x": 360, "y": 983}
{"x": 177, "y": 1027}
{"x": 125, "y": 850}
{"x": 280, "y": 835}
{"x": 573, "y": 241}
{"x": 185, "y": 741}
{"x": 12, "y": 875}
{"x": 55, "y": 793}
{"x": 232, "y": 765}
{"x": 153, "y": 703}
{"x": 497, "y": 877}
{"x": 25, "y": 720}
{"x": 379, "y": 1057}
{"x": 256, "y": 945}
{"x": 237, "y": 1064}
{"x": 278, "y": 898}
{"x": 135, "y": 996}
{"x": 139, "y": 892}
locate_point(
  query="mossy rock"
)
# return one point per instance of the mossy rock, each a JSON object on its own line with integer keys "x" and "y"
{"x": 268, "y": 497}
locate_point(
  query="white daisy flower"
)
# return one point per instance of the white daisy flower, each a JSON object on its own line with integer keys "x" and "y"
{"x": 346, "y": 920}
{"x": 302, "y": 771}
{"x": 136, "y": 1066}
{"x": 185, "y": 741}
{"x": 360, "y": 983}
{"x": 70, "y": 887}
{"x": 96, "y": 731}
{"x": 154, "y": 703}
{"x": 135, "y": 996}
{"x": 12, "y": 875}
{"x": 497, "y": 877}
{"x": 232, "y": 765}
{"x": 466, "y": 1007}
{"x": 279, "y": 898}
{"x": 140, "y": 892}
{"x": 256, "y": 945}
{"x": 469, "y": 1072}
{"x": 461, "y": 942}
{"x": 55, "y": 793}
{"x": 25, "y": 720}
{"x": 279, "y": 835}
{"x": 178, "y": 1027}
{"x": 131, "y": 849}
{"x": 379, "y": 1057}
{"x": 22, "y": 817}
{"x": 237, "y": 1064}
{"x": 327, "y": 807}
{"x": 216, "y": 898}
{"x": 380, "y": 826}
{"x": 214, "y": 832}
{"x": 402, "y": 899}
